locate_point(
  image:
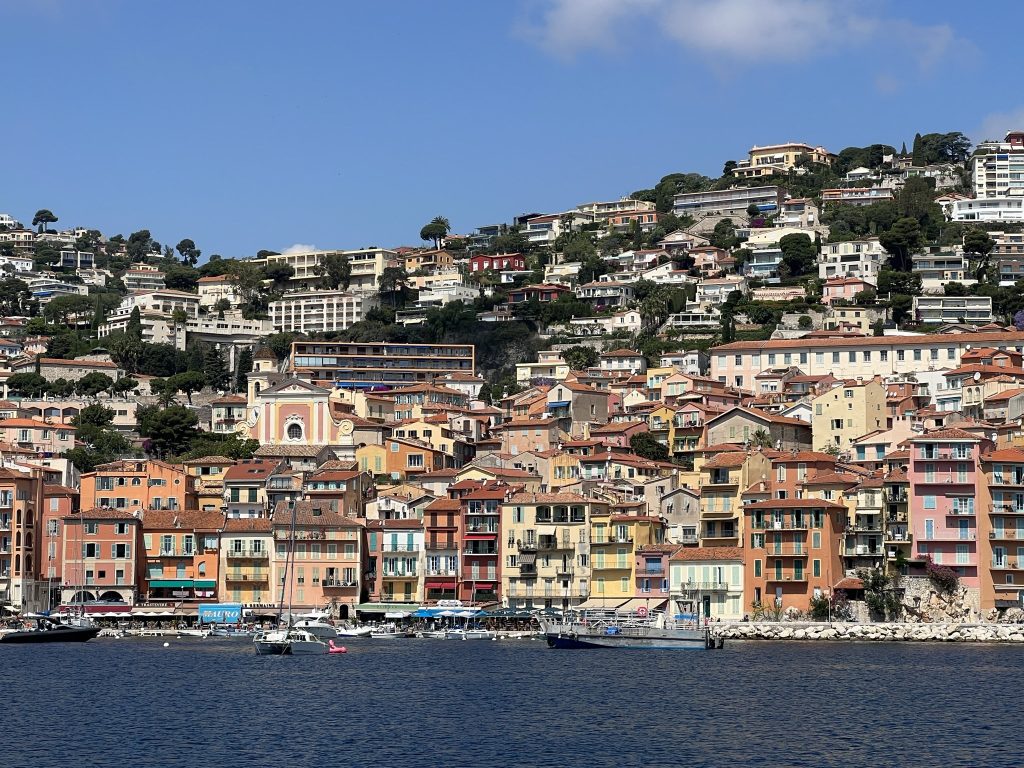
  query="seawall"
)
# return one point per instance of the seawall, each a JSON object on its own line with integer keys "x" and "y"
{"x": 962, "y": 633}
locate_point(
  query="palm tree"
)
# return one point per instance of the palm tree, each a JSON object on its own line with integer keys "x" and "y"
{"x": 761, "y": 439}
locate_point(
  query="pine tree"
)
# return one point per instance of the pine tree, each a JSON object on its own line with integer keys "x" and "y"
{"x": 196, "y": 361}
{"x": 215, "y": 369}
{"x": 244, "y": 367}
{"x": 918, "y": 151}
{"x": 134, "y": 327}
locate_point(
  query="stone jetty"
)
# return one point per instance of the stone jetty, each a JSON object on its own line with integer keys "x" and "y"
{"x": 913, "y": 632}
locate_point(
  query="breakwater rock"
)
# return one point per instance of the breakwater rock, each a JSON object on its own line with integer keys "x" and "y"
{"x": 913, "y": 632}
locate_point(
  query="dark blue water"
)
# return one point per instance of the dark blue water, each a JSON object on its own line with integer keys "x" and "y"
{"x": 410, "y": 703}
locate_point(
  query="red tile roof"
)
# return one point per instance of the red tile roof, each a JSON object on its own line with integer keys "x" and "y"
{"x": 707, "y": 553}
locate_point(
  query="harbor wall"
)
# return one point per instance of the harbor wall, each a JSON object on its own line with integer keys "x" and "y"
{"x": 913, "y": 632}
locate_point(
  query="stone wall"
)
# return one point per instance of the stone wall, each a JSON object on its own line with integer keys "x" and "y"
{"x": 923, "y": 604}
{"x": 941, "y": 632}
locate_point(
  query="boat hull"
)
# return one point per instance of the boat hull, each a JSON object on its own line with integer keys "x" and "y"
{"x": 271, "y": 648}
{"x": 57, "y": 635}
{"x": 655, "y": 639}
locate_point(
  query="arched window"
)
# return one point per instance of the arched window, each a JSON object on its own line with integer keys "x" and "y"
{"x": 136, "y": 481}
{"x": 294, "y": 432}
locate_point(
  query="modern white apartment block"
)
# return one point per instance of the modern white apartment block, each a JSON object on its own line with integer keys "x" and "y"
{"x": 989, "y": 209}
{"x": 367, "y": 266}
{"x": 604, "y": 209}
{"x": 320, "y": 311}
{"x": 728, "y": 202}
{"x": 997, "y": 167}
{"x": 953, "y": 309}
{"x": 854, "y": 258}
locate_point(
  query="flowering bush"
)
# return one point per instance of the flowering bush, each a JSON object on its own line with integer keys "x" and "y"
{"x": 942, "y": 578}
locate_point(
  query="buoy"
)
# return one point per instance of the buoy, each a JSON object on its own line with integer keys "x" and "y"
{"x": 167, "y": 645}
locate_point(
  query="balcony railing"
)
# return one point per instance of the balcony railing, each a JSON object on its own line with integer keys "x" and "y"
{"x": 248, "y": 553}
{"x": 705, "y": 586}
{"x": 952, "y": 535}
{"x": 785, "y": 549}
{"x": 258, "y": 576}
{"x": 1006, "y": 509}
{"x": 1006, "y": 533}
{"x": 331, "y": 581}
{"x": 776, "y": 577}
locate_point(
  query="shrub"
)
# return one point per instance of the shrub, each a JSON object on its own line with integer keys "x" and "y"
{"x": 942, "y": 578}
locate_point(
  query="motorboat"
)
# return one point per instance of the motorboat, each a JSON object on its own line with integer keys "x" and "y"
{"x": 317, "y": 627}
{"x": 353, "y": 631}
{"x": 386, "y": 632}
{"x": 627, "y": 629}
{"x": 191, "y": 632}
{"x": 433, "y": 634}
{"x": 44, "y": 629}
{"x": 479, "y": 634}
{"x": 288, "y": 642}
{"x": 231, "y": 632}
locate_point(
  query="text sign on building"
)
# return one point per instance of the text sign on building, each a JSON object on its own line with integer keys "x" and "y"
{"x": 227, "y": 613}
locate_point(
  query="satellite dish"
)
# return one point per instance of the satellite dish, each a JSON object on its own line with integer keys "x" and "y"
{"x": 977, "y": 375}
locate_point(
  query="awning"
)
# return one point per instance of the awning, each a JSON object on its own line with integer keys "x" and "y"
{"x": 481, "y": 537}
{"x": 441, "y": 584}
{"x": 558, "y": 403}
{"x": 485, "y": 585}
{"x": 183, "y": 583}
{"x": 652, "y": 604}
{"x": 397, "y": 614}
{"x": 528, "y": 558}
{"x": 601, "y": 603}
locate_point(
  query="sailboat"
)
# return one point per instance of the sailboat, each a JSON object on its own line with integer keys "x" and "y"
{"x": 292, "y": 640}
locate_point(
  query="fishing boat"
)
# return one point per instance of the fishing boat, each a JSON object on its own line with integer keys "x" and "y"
{"x": 43, "y": 629}
{"x": 640, "y": 628}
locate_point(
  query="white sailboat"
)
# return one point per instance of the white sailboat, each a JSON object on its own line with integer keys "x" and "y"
{"x": 292, "y": 640}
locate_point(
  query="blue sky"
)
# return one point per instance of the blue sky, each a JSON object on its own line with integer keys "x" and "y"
{"x": 248, "y": 125}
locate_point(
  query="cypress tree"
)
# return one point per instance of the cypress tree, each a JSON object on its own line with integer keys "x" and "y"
{"x": 244, "y": 367}
{"x": 918, "y": 151}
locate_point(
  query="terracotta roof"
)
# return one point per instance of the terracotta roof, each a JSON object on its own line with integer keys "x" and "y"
{"x": 333, "y": 474}
{"x": 897, "y": 476}
{"x": 551, "y": 498}
{"x": 312, "y": 513}
{"x": 251, "y": 470}
{"x": 214, "y": 279}
{"x": 622, "y": 352}
{"x": 945, "y": 434}
{"x": 1005, "y": 454}
{"x": 59, "y": 490}
{"x": 849, "y": 582}
{"x": 229, "y": 400}
{"x": 289, "y": 451}
{"x": 1005, "y": 395}
{"x": 723, "y": 460}
{"x": 793, "y": 504}
{"x": 443, "y": 505}
{"x": 831, "y": 478}
{"x": 708, "y": 553}
{"x": 617, "y": 426}
{"x": 248, "y": 525}
{"x": 34, "y": 423}
{"x": 805, "y": 456}
{"x": 208, "y": 461}
{"x": 999, "y": 337}
{"x": 188, "y": 519}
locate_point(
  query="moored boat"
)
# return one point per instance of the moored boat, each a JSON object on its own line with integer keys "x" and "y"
{"x": 48, "y": 630}
{"x": 288, "y": 642}
{"x": 631, "y": 629}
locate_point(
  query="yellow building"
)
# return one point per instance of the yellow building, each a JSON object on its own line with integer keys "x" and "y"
{"x": 779, "y": 158}
{"x": 614, "y": 541}
{"x": 206, "y": 480}
{"x": 244, "y": 573}
{"x": 547, "y": 561}
{"x": 723, "y": 479}
{"x": 849, "y": 410}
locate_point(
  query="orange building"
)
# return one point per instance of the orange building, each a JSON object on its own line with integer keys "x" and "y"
{"x": 59, "y": 501}
{"x": 99, "y": 551}
{"x": 21, "y": 499}
{"x": 794, "y": 550}
{"x": 135, "y": 484}
{"x": 181, "y": 552}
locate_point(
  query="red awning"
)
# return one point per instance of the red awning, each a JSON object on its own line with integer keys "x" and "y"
{"x": 484, "y": 585}
{"x": 480, "y": 536}
{"x": 441, "y": 584}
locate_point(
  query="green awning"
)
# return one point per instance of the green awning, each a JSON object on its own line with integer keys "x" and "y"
{"x": 386, "y": 607}
{"x": 183, "y": 583}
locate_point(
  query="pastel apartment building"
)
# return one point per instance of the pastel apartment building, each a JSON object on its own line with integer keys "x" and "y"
{"x": 853, "y": 258}
{"x": 847, "y": 411}
{"x": 320, "y": 310}
{"x": 739, "y": 362}
{"x": 779, "y": 158}
{"x": 1001, "y": 556}
{"x": 728, "y": 202}
{"x": 714, "y": 577}
{"x": 944, "y": 477}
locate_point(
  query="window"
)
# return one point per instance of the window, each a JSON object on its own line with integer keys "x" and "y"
{"x": 817, "y": 568}
{"x": 91, "y": 549}
{"x": 757, "y": 568}
{"x": 294, "y": 432}
{"x": 121, "y": 551}
{"x": 416, "y": 460}
{"x": 91, "y": 529}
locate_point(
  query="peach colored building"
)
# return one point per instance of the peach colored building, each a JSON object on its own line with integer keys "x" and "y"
{"x": 137, "y": 484}
{"x": 181, "y": 555}
{"x": 1001, "y": 566}
{"x": 326, "y": 571}
{"x": 794, "y": 550}
{"x": 100, "y": 556}
{"x": 246, "y": 545}
{"x": 39, "y": 436}
{"x": 843, "y": 289}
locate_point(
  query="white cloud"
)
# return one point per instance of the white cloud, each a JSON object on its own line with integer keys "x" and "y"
{"x": 299, "y": 248}
{"x": 569, "y": 26}
{"x": 731, "y": 32}
{"x": 996, "y": 124}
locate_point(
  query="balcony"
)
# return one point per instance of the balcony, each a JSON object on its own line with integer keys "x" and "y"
{"x": 248, "y": 554}
{"x": 260, "y": 577}
{"x": 526, "y": 546}
{"x": 1004, "y": 564}
{"x": 175, "y": 552}
{"x": 450, "y": 572}
{"x": 958, "y": 512}
{"x": 651, "y": 570}
{"x": 400, "y": 548}
{"x": 899, "y": 536}
{"x": 780, "y": 525}
{"x": 718, "y": 514}
{"x": 482, "y": 529}
{"x": 785, "y": 549}
{"x": 612, "y": 565}
{"x": 400, "y": 575}
{"x": 896, "y": 497}
{"x": 704, "y": 586}
{"x": 952, "y": 535}
{"x": 564, "y": 571}
{"x": 862, "y": 551}
{"x": 1006, "y": 533}
{"x": 448, "y": 546}
{"x": 331, "y": 582}
{"x": 5, "y": 524}
{"x": 1006, "y": 509}
{"x": 782, "y": 577}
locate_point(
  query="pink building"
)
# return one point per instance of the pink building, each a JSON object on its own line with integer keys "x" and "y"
{"x": 944, "y": 476}
{"x": 843, "y": 288}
